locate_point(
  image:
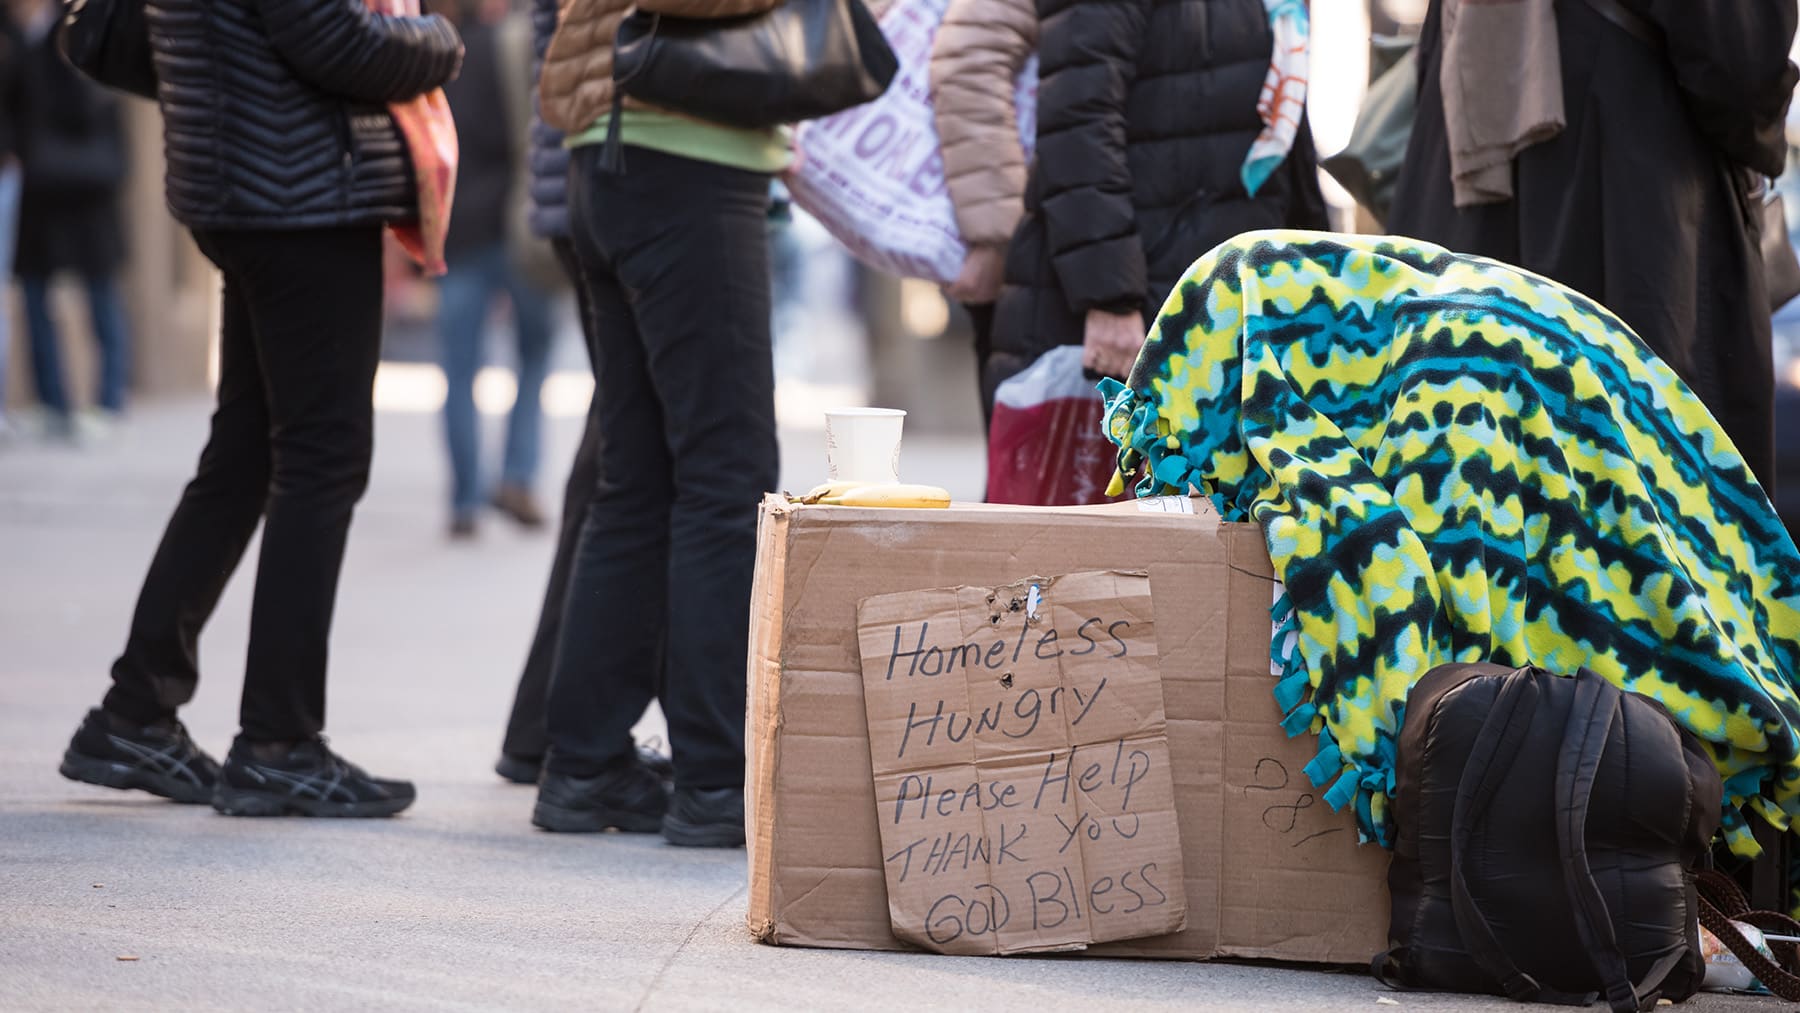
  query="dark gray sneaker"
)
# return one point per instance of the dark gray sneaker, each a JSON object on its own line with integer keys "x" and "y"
{"x": 527, "y": 769}
{"x": 628, "y": 796}
{"x": 308, "y": 779}
{"x": 705, "y": 818}
{"x": 159, "y": 759}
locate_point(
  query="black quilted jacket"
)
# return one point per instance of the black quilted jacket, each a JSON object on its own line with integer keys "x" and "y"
{"x": 549, "y": 159}
{"x": 1146, "y": 109}
{"x": 274, "y": 111}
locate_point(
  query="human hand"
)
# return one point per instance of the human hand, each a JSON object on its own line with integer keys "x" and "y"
{"x": 1111, "y": 342}
{"x": 983, "y": 270}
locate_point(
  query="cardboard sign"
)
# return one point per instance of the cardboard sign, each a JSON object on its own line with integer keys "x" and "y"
{"x": 1020, "y": 758}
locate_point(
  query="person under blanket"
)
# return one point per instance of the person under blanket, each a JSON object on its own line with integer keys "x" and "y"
{"x": 1456, "y": 460}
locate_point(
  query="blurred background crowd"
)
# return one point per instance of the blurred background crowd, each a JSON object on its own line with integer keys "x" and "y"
{"x": 112, "y": 302}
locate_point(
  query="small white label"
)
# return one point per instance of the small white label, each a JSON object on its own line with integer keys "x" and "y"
{"x": 1278, "y": 656}
{"x": 1166, "y": 505}
{"x": 1032, "y": 600}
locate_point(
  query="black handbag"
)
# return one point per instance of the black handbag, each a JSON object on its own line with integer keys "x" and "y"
{"x": 1369, "y": 166}
{"x": 109, "y": 41}
{"x": 1781, "y": 268}
{"x": 800, "y": 61}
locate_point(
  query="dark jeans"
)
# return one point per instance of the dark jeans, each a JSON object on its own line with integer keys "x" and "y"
{"x": 106, "y": 315}
{"x": 290, "y": 446}
{"x": 465, "y": 295}
{"x": 526, "y": 737}
{"x": 674, "y": 256}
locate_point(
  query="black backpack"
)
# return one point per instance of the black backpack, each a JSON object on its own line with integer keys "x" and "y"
{"x": 1548, "y": 828}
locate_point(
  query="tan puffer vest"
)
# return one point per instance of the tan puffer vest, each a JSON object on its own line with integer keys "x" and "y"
{"x": 577, "y": 88}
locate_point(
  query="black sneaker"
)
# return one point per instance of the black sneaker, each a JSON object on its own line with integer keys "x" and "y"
{"x": 518, "y": 769}
{"x": 159, "y": 759}
{"x": 308, "y": 780}
{"x": 525, "y": 770}
{"x": 705, "y": 818}
{"x": 626, "y": 797}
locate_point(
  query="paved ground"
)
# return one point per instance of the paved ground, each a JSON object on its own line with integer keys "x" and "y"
{"x": 459, "y": 904}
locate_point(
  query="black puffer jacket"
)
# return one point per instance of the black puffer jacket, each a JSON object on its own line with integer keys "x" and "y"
{"x": 549, "y": 159}
{"x": 1146, "y": 109}
{"x": 274, "y": 111}
{"x": 71, "y": 145}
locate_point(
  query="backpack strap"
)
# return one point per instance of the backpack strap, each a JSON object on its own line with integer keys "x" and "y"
{"x": 1596, "y": 707}
{"x": 1502, "y": 735}
{"x": 1389, "y": 968}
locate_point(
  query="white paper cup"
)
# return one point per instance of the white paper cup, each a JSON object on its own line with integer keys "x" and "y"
{"x": 863, "y": 444}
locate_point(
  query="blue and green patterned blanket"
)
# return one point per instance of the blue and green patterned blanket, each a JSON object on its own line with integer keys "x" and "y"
{"x": 1454, "y": 460}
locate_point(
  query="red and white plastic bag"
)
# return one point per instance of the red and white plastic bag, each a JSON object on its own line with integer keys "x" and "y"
{"x": 1045, "y": 445}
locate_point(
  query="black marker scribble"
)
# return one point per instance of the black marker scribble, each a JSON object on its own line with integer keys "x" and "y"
{"x": 1258, "y": 785}
{"x": 1293, "y": 814}
{"x": 1322, "y": 833}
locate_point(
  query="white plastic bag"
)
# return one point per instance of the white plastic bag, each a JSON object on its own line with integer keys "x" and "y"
{"x": 873, "y": 175}
{"x": 1724, "y": 971}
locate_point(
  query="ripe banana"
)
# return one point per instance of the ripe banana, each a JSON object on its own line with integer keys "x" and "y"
{"x": 838, "y": 488}
{"x": 917, "y": 496}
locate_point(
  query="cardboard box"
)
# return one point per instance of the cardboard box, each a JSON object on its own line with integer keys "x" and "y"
{"x": 1268, "y": 869}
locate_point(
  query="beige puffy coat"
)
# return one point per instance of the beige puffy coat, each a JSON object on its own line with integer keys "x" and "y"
{"x": 980, "y": 47}
{"x": 577, "y": 88}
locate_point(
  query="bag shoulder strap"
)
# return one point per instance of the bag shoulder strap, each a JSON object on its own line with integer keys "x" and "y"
{"x": 1721, "y": 904}
{"x": 1491, "y": 756}
{"x": 1632, "y": 22}
{"x": 1596, "y": 708}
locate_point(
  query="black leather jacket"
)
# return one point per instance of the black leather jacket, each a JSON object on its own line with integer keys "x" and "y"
{"x": 274, "y": 111}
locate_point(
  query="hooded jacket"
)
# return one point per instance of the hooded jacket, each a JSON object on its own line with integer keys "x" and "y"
{"x": 1146, "y": 109}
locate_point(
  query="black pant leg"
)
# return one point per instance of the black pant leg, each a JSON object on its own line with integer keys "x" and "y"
{"x": 207, "y": 534}
{"x": 314, "y": 298}
{"x": 610, "y": 646}
{"x": 526, "y": 736}
{"x": 700, "y": 287}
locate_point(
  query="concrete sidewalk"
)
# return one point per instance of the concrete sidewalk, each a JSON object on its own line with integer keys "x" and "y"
{"x": 459, "y": 904}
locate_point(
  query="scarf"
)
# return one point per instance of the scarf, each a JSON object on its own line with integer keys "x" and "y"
{"x": 1501, "y": 79}
{"x": 1283, "y": 99}
{"x": 1454, "y": 460}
